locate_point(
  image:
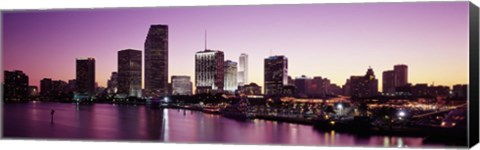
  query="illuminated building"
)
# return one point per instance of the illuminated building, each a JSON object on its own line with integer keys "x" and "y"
{"x": 243, "y": 69}
{"x": 156, "y": 61}
{"x": 363, "y": 86}
{"x": 112, "y": 83}
{"x": 129, "y": 73}
{"x": 275, "y": 75}
{"x": 250, "y": 89}
{"x": 209, "y": 71}
{"x": 15, "y": 86}
{"x": 230, "y": 76}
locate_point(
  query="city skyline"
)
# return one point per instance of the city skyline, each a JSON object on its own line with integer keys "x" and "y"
{"x": 335, "y": 61}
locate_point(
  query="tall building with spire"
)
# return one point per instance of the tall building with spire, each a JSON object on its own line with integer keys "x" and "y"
{"x": 209, "y": 71}
{"x": 156, "y": 61}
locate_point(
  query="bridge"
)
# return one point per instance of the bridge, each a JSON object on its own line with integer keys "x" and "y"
{"x": 439, "y": 111}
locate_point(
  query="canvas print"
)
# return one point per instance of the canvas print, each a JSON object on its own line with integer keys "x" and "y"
{"x": 352, "y": 74}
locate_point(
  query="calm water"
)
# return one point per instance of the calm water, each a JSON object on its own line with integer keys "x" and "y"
{"x": 140, "y": 123}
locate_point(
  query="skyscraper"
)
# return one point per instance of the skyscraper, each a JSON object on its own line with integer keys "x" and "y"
{"x": 46, "y": 87}
{"x": 209, "y": 71}
{"x": 401, "y": 75}
{"x": 16, "y": 86}
{"x": 275, "y": 74}
{"x": 396, "y": 78}
{"x": 85, "y": 78}
{"x": 156, "y": 61}
{"x": 129, "y": 73}
{"x": 230, "y": 76}
{"x": 243, "y": 70}
{"x": 181, "y": 85}
{"x": 388, "y": 82}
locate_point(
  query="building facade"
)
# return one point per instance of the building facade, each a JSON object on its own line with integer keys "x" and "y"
{"x": 209, "y": 71}
{"x": 303, "y": 86}
{"x": 363, "y": 86}
{"x": 112, "y": 83}
{"x": 46, "y": 87}
{"x": 401, "y": 75}
{"x": 460, "y": 91}
{"x": 15, "y": 86}
{"x": 388, "y": 82}
{"x": 129, "y": 73}
{"x": 230, "y": 73}
{"x": 181, "y": 85}
{"x": 395, "y": 79}
{"x": 275, "y": 75}
{"x": 85, "y": 78}
{"x": 156, "y": 61}
{"x": 243, "y": 69}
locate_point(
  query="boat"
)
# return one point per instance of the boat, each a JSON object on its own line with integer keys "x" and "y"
{"x": 239, "y": 111}
{"x": 211, "y": 109}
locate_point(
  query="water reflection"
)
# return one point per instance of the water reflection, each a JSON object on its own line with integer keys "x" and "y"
{"x": 127, "y": 122}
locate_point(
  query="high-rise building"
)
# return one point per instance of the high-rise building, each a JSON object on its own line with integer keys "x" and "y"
{"x": 388, "y": 82}
{"x": 363, "y": 86}
{"x": 15, "y": 86}
{"x": 46, "y": 87}
{"x": 112, "y": 83}
{"x": 230, "y": 76}
{"x": 401, "y": 75}
{"x": 85, "y": 78}
{"x": 156, "y": 61}
{"x": 209, "y": 71}
{"x": 129, "y": 73}
{"x": 275, "y": 75}
{"x": 394, "y": 79}
{"x": 181, "y": 85}
{"x": 243, "y": 69}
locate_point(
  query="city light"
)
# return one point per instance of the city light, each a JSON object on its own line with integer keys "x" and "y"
{"x": 340, "y": 106}
{"x": 402, "y": 114}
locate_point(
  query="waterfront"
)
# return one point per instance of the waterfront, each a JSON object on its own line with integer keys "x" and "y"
{"x": 108, "y": 122}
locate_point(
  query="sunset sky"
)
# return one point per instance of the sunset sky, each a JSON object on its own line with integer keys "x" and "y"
{"x": 329, "y": 40}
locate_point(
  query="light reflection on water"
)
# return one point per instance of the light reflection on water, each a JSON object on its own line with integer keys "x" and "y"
{"x": 126, "y": 122}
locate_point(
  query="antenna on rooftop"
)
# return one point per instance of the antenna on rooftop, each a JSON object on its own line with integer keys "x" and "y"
{"x": 205, "y": 39}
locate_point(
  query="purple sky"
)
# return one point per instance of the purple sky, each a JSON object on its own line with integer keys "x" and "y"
{"x": 328, "y": 40}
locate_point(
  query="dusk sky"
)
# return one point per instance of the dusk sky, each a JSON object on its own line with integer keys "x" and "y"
{"x": 334, "y": 41}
